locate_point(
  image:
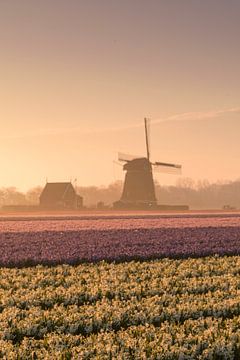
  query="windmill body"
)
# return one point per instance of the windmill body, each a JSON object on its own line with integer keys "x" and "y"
{"x": 138, "y": 189}
{"x": 138, "y": 185}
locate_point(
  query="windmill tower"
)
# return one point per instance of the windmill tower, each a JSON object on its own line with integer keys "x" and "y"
{"x": 138, "y": 189}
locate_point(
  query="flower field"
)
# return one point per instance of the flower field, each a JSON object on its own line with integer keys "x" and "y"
{"x": 161, "y": 309}
{"x": 55, "y": 241}
{"x": 120, "y": 287}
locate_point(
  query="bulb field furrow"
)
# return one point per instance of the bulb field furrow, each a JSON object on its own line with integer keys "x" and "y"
{"x": 140, "y": 287}
{"x": 164, "y": 307}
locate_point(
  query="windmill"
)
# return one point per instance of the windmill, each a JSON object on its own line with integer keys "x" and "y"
{"x": 138, "y": 189}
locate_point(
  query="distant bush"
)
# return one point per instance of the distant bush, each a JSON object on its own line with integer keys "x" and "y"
{"x": 198, "y": 195}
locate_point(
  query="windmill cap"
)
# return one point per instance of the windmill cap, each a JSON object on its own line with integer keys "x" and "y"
{"x": 139, "y": 164}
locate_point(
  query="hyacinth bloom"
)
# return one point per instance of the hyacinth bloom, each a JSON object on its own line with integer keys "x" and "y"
{"x": 167, "y": 309}
{"x": 70, "y": 240}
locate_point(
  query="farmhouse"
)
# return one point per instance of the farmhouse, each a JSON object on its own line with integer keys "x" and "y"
{"x": 60, "y": 195}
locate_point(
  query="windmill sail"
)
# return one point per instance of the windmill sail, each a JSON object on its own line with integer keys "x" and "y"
{"x": 167, "y": 168}
{"x": 147, "y": 136}
{"x": 158, "y": 163}
{"x": 127, "y": 157}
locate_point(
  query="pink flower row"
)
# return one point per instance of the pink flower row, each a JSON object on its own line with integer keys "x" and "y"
{"x": 72, "y": 247}
{"x": 41, "y": 224}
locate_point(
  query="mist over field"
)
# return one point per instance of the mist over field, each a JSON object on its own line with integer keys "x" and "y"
{"x": 198, "y": 195}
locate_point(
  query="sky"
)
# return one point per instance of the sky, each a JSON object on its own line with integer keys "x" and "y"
{"x": 78, "y": 77}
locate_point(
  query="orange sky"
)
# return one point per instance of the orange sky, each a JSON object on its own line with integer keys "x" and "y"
{"x": 78, "y": 77}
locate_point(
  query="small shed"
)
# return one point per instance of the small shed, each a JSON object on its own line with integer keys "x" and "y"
{"x": 60, "y": 195}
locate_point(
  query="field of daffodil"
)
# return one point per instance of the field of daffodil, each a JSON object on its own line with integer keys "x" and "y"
{"x": 160, "y": 309}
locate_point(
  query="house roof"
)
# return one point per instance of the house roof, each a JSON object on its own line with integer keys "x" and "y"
{"x": 56, "y": 191}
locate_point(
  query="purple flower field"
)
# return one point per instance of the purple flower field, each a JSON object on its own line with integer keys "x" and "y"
{"x": 45, "y": 241}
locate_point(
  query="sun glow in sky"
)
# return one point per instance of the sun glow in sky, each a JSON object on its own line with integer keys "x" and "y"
{"x": 78, "y": 77}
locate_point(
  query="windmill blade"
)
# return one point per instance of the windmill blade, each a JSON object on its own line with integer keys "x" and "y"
{"x": 167, "y": 168}
{"x": 147, "y": 136}
{"x": 177, "y": 166}
{"x": 127, "y": 157}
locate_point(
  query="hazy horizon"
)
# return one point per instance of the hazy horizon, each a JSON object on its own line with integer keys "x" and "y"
{"x": 77, "y": 79}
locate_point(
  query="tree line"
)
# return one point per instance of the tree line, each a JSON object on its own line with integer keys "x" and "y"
{"x": 198, "y": 195}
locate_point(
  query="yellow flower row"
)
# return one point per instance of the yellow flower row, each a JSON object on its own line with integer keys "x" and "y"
{"x": 165, "y": 309}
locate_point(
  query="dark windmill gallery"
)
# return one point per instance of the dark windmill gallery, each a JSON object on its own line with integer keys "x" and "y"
{"x": 138, "y": 190}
